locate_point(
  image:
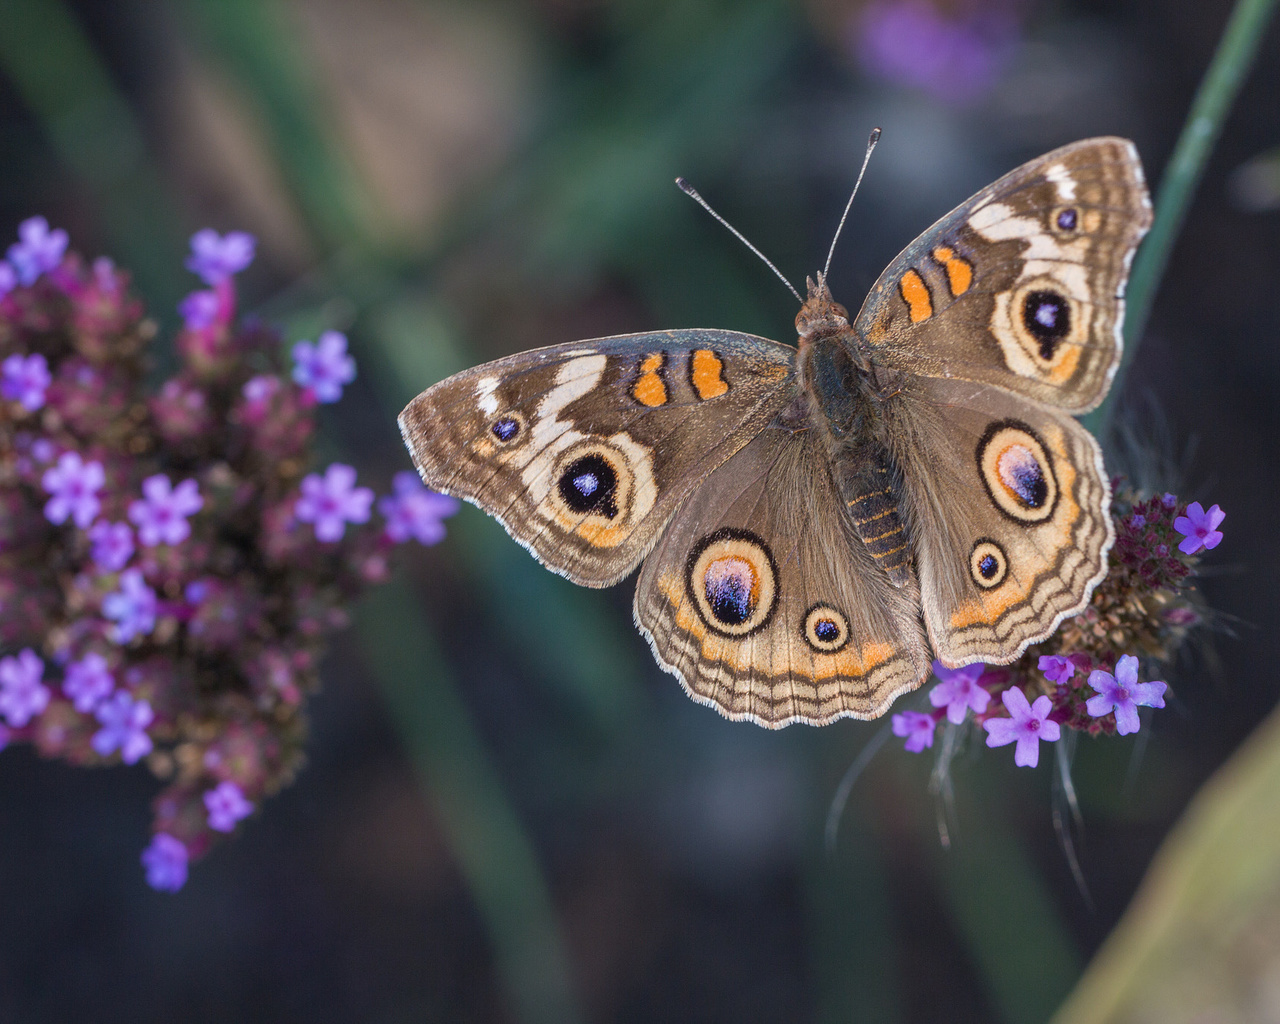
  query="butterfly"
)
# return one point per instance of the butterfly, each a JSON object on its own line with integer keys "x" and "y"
{"x": 817, "y": 523}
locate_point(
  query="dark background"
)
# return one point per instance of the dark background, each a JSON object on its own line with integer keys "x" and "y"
{"x": 453, "y": 182}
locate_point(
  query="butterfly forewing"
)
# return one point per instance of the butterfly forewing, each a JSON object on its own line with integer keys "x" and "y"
{"x": 1021, "y": 286}
{"x": 583, "y": 451}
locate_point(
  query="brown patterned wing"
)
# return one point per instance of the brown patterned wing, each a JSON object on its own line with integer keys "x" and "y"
{"x": 1007, "y": 504}
{"x": 1023, "y": 285}
{"x": 583, "y": 451}
{"x": 764, "y": 603}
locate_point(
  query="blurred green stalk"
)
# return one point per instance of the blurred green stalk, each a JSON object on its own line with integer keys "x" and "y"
{"x": 488, "y": 842}
{"x": 1199, "y": 940}
{"x": 70, "y": 93}
{"x": 1218, "y": 90}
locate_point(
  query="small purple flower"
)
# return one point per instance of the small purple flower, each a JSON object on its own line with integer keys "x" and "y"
{"x": 226, "y": 805}
{"x": 1122, "y": 693}
{"x": 43, "y": 450}
{"x": 38, "y": 249}
{"x": 23, "y": 694}
{"x": 1028, "y": 724}
{"x": 161, "y": 515}
{"x": 74, "y": 485}
{"x": 124, "y": 727}
{"x": 958, "y": 691}
{"x": 88, "y": 682}
{"x": 1056, "y": 668}
{"x": 1200, "y": 528}
{"x": 917, "y": 727}
{"x": 199, "y": 310}
{"x": 166, "y": 863}
{"x": 132, "y": 608}
{"x": 1169, "y": 500}
{"x": 415, "y": 511}
{"x": 8, "y": 279}
{"x": 324, "y": 367}
{"x": 25, "y": 380}
{"x": 112, "y": 545}
{"x": 216, "y": 257}
{"x": 332, "y": 501}
{"x": 1137, "y": 521}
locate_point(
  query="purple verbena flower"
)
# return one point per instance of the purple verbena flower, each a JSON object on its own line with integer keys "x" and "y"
{"x": 38, "y": 249}
{"x": 1122, "y": 693}
{"x": 124, "y": 727}
{"x": 112, "y": 545}
{"x": 958, "y": 691}
{"x": 199, "y": 310}
{"x": 216, "y": 257}
{"x": 166, "y": 863}
{"x": 1056, "y": 668}
{"x": 1028, "y": 724}
{"x": 74, "y": 485}
{"x": 88, "y": 682}
{"x": 1199, "y": 528}
{"x": 917, "y": 727}
{"x": 415, "y": 511}
{"x": 161, "y": 515}
{"x": 332, "y": 501}
{"x": 8, "y": 279}
{"x": 226, "y": 805}
{"x": 324, "y": 367}
{"x": 914, "y": 43}
{"x": 132, "y": 608}
{"x": 23, "y": 694}
{"x": 25, "y": 380}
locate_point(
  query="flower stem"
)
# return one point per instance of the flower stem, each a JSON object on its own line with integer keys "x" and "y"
{"x": 1218, "y": 90}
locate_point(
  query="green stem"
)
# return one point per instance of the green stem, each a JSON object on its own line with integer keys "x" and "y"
{"x": 485, "y": 835}
{"x": 1218, "y": 90}
{"x": 54, "y": 68}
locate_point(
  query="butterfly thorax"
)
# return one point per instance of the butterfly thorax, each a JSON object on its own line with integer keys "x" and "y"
{"x": 844, "y": 408}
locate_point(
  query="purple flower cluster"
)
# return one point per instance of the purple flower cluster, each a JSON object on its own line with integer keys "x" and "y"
{"x": 169, "y": 570}
{"x": 1085, "y": 677}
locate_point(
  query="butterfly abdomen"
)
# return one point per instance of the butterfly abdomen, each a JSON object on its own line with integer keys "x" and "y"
{"x": 846, "y": 410}
{"x": 864, "y": 478}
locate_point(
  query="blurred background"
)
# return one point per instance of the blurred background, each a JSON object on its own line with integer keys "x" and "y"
{"x": 509, "y": 813}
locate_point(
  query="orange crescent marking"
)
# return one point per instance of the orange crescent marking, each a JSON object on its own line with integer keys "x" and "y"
{"x": 706, "y": 374}
{"x": 649, "y": 389}
{"x": 916, "y": 295}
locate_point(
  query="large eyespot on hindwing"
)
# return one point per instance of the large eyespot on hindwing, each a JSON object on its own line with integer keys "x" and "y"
{"x": 825, "y": 629}
{"x": 988, "y": 564}
{"x": 600, "y": 487}
{"x": 1015, "y": 468}
{"x": 733, "y": 582}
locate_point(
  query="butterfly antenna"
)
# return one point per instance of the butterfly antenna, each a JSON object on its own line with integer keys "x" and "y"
{"x": 871, "y": 145}
{"x": 692, "y": 193}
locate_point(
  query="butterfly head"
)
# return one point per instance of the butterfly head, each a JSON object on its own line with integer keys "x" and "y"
{"x": 820, "y": 314}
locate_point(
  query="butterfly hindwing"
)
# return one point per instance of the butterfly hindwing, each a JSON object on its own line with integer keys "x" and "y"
{"x": 767, "y": 606}
{"x": 1007, "y": 504}
{"x": 1022, "y": 286}
{"x": 583, "y": 451}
